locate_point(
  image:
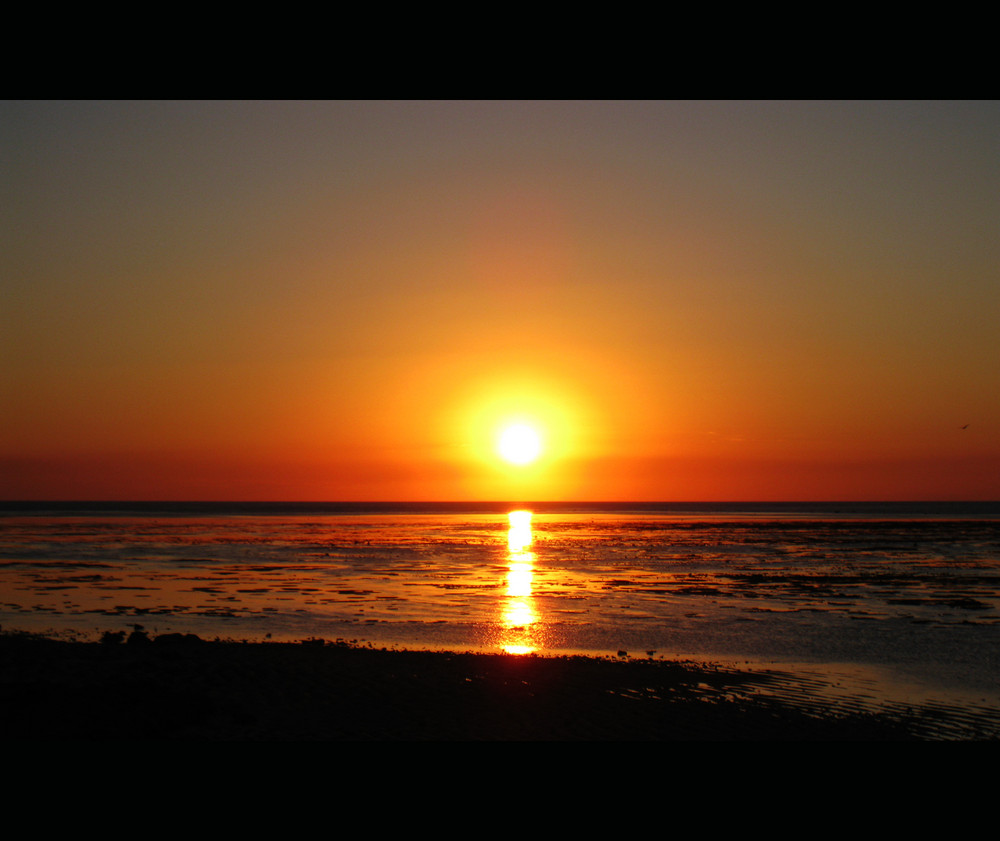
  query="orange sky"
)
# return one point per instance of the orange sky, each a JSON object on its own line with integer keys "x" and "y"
{"x": 342, "y": 301}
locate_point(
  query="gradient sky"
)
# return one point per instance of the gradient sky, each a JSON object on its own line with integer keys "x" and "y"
{"x": 342, "y": 300}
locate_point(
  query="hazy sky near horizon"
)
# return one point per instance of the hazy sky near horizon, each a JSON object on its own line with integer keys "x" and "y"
{"x": 342, "y": 300}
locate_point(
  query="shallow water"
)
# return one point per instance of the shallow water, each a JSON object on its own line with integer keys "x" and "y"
{"x": 910, "y": 599}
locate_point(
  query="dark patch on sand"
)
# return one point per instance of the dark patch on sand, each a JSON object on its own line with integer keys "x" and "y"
{"x": 177, "y": 686}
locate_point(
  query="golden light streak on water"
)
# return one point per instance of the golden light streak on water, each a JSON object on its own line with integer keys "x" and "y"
{"x": 519, "y": 616}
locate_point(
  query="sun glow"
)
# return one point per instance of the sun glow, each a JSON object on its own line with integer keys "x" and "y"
{"x": 496, "y": 462}
{"x": 519, "y": 444}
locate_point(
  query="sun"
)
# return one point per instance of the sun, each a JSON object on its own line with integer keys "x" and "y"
{"x": 519, "y": 444}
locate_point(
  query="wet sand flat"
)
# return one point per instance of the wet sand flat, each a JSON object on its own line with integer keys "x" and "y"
{"x": 178, "y": 687}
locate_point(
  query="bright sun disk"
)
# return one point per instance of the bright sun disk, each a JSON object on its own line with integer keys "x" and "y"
{"x": 520, "y": 444}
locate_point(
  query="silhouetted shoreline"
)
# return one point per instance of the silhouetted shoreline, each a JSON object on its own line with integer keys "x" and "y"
{"x": 179, "y": 687}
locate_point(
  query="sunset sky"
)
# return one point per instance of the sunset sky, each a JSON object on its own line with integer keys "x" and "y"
{"x": 350, "y": 300}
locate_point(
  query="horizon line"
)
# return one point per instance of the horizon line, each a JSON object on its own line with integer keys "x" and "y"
{"x": 195, "y": 501}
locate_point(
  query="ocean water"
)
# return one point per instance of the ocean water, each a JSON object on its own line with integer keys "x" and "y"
{"x": 900, "y": 597}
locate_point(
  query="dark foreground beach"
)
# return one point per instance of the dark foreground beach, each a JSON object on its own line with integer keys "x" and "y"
{"x": 179, "y": 687}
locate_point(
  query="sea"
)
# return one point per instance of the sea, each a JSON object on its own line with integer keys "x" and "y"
{"x": 897, "y": 601}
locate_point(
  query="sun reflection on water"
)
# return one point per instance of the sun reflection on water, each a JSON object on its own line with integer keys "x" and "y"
{"x": 519, "y": 618}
